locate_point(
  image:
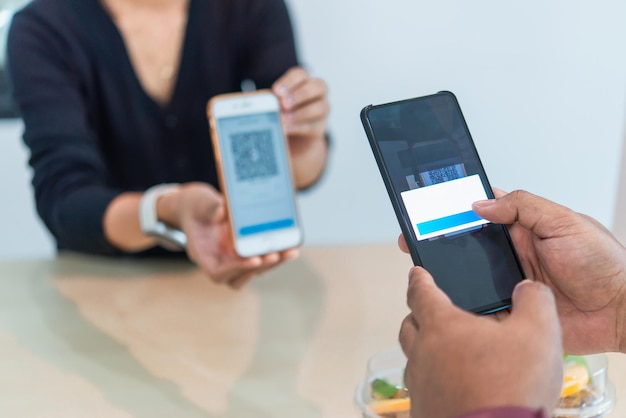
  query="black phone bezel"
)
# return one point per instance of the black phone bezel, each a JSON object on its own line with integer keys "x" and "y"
{"x": 399, "y": 209}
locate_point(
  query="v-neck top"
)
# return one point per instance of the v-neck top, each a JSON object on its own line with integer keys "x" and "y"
{"x": 93, "y": 131}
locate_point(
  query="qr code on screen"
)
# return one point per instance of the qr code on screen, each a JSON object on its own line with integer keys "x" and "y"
{"x": 440, "y": 175}
{"x": 253, "y": 153}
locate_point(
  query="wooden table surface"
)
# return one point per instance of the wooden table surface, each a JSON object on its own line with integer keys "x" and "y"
{"x": 96, "y": 337}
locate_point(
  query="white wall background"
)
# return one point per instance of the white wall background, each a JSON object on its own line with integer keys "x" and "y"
{"x": 542, "y": 86}
{"x": 541, "y": 83}
{"x": 23, "y": 234}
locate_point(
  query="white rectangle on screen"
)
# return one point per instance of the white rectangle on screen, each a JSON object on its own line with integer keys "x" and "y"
{"x": 444, "y": 208}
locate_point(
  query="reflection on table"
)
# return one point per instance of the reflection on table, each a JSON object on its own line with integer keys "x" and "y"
{"x": 86, "y": 336}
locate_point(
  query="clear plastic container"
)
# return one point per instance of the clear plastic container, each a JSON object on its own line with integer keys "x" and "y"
{"x": 596, "y": 400}
{"x": 388, "y": 365}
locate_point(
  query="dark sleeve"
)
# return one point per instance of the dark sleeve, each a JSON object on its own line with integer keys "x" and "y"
{"x": 506, "y": 412}
{"x": 268, "y": 48}
{"x": 70, "y": 173}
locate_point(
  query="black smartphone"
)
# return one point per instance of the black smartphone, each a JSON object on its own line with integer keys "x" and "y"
{"x": 433, "y": 174}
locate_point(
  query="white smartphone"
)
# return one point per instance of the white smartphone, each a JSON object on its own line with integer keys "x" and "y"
{"x": 254, "y": 170}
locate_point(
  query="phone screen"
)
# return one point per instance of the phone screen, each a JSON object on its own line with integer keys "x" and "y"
{"x": 433, "y": 175}
{"x": 258, "y": 178}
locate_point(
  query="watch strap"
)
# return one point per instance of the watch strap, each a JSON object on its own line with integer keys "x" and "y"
{"x": 170, "y": 238}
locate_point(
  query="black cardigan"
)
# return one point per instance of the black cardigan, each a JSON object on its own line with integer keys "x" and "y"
{"x": 93, "y": 132}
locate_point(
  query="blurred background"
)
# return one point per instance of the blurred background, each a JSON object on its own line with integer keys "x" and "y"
{"x": 542, "y": 86}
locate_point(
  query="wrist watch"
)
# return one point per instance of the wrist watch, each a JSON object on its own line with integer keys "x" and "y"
{"x": 170, "y": 238}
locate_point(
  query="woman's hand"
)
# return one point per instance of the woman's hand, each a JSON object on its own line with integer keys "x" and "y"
{"x": 304, "y": 106}
{"x": 200, "y": 213}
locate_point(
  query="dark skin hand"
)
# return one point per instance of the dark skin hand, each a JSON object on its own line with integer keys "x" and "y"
{"x": 459, "y": 362}
{"x": 577, "y": 258}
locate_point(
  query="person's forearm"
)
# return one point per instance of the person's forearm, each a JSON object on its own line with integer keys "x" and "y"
{"x": 121, "y": 224}
{"x": 308, "y": 160}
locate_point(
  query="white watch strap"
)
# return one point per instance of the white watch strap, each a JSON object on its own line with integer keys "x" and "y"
{"x": 150, "y": 225}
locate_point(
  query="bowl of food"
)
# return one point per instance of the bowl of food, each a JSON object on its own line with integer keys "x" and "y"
{"x": 586, "y": 391}
{"x": 382, "y": 393}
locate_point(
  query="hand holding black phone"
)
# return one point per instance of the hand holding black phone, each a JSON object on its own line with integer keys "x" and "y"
{"x": 433, "y": 174}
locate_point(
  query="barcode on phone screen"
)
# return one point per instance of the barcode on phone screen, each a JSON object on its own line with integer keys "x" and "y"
{"x": 441, "y": 175}
{"x": 254, "y": 155}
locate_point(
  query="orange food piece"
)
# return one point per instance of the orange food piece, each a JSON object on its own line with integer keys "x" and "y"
{"x": 575, "y": 379}
{"x": 387, "y": 406}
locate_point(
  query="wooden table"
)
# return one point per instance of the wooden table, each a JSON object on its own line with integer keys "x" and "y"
{"x": 94, "y": 337}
